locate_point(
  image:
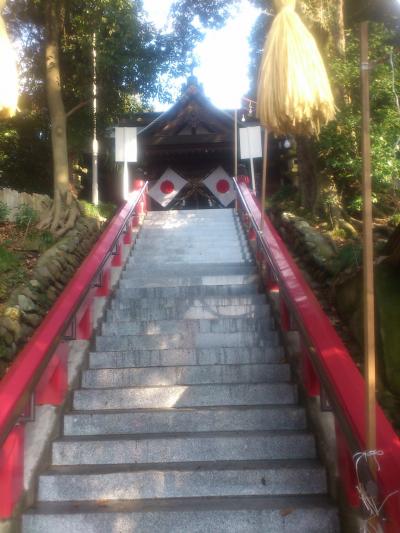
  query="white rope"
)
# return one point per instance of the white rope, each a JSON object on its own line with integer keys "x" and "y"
{"x": 368, "y": 501}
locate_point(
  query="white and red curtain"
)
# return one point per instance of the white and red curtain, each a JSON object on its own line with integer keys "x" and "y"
{"x": 167, "y": 187}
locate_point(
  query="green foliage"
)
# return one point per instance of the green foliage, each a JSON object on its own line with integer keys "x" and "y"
{"x": 8, "y": 260}
{"x": 286, "y": 193}
{"x": 107, "y": 210}
{"x": 395, "y": 219}
{"x": 100, "y": 212}
{"x": 4, "y": 211}
{"x": 127, "y": 61}
{"x": 339, "y": 145}
{"x": 349, "y": 256}
{"x": 26, "y": 216}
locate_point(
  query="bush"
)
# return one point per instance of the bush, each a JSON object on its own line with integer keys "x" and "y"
{"x": 8, "y": 261}
{"x": 26, "y": 216}
{"x": 4, "y": 211}
{"x": 100, "y": 212}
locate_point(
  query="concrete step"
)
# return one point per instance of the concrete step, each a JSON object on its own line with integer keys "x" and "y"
{"x": 236, "y": 418}
{"x": 188, "y": 339}
{"x": 185, "y": 375}
{"x": 186, "y": 356}
{"x": 185, "y": 396}
{"x": 178, "y": 280}
{"x": 188, "y": 480}
{"x": 246, "y": 514}
{"x": 192, "y": 301}
{"x": 214, "y": 325}
{"x": 193, "y": 291}
{"x": 183, "y": 447}
{"x": 191, "y": 312}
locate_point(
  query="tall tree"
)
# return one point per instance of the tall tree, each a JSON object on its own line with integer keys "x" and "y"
{"x": 65, "y": 209}
{"x": 57, "y": 38}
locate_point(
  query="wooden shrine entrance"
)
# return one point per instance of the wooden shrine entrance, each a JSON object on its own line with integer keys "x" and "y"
{"x": 192, "y": 138}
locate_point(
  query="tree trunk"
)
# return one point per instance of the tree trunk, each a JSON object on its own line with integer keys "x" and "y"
{"x": 338, "y": 29}
{"x": 308, "y": 177}
{"x": 65, "y": 209}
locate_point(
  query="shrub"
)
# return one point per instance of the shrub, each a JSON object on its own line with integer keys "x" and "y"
{"x": 4, "y": 211}
{"x": 100, "y": 212}
{"x": 26, "y": 216}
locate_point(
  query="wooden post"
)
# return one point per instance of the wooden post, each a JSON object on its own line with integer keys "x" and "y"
{"x": 253, "y": 179}
{"x": 235, "y": 155}
{"x": 95, "y": 145}
{"x": 368, "y": 254}
{"x": 264, "y": 179}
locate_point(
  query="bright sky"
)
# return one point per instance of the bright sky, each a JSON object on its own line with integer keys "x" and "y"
{"x": 223, "y": 55}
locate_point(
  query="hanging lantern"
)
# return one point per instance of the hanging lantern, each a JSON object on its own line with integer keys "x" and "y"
{"x": 8, "y": 68}
{"x": 294, "y": 94}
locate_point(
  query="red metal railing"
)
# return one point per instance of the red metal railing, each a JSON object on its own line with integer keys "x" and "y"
{"x": 39, "y": 374}
{"x": 327, "y": 366}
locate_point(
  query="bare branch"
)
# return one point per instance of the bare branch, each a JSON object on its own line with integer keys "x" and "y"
{"x": 76, "y": 108}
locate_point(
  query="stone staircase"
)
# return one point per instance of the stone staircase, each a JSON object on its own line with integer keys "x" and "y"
{"x": 186, "y": 419}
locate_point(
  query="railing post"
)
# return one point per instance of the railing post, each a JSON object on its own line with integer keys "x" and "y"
{"x": 117, "y": 259}
{"x": 310, "y": 378}
{"x": 85, "y": 324}
{"x": 104, "y": 288}
{"x": 284, "y": 314}
{"x": 128, "y": 234}
{"x": 346, "y": 468}
{"x": 11, "y": 471}
{"x": 52, "y": 387}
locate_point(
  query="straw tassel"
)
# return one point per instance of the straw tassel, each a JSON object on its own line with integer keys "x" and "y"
{"x": 8, "y": 68}
{"x": 294, "y": 94}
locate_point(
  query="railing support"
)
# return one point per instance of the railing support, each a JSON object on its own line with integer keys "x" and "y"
{"x": 41, "y": 368}
{"x": 11, "y": 471}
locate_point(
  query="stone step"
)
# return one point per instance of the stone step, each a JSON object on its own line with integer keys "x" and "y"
{"x": 187, "y": 356}
{"x": 191, "y": 312}
{"x": 183, "y": 447}
{"x": 193, "y": 291}
{"x": 204, "y": 236}
{"x": 237, "y": 418}
{"x": 248, "y": 514}
{"x": 193, "y": 301}
{"x": 189, "y": 245}
{"x": 185, "y": 396}
{"x": 190, "y": 213}
{"x": 195, "y": 259}
{"x": 185, "y": 375}
{"x": 187, "y": 327}
{"x": 188, "y": 339}
{"x": 188, "y": 480}
{"x": 192, "y": 270}
{"x": 190, "y": 237}
{"x": 178, "y": 280}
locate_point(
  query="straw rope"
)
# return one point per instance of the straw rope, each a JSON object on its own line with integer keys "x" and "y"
{"x": 8, "y": 70}
{"x": 294, "y": 94}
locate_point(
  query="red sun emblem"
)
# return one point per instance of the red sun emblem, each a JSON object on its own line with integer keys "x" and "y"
{"x": 167, "y": 187}
{"x": 222, "y": 186}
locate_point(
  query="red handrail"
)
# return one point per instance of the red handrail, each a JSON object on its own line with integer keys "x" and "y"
{"x": 19, "y": 383}
{"x": 331, "y": 360}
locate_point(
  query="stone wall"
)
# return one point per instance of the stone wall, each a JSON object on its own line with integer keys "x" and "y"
{"x": 29, "y": 303}
{"x": 318, "y": 251}
{"x": 39, "y": 202}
